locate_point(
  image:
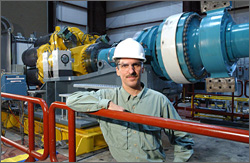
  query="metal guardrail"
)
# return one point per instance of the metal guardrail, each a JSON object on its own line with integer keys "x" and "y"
{"x": 191, "y": 127}
{"x": 31, "y": 150}
{"x": 52, "y": 132}
{"x": 50, "y": 137}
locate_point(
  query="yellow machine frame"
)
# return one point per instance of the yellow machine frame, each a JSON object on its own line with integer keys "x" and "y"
{"x": 78, "y": 54}
{"x": 226, "y": 98}
{"x": 87, "y": 140}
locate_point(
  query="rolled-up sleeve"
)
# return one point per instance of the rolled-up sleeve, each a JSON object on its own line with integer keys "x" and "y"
{"x": 87, "y": 101}
{"x": 182, "y": 141}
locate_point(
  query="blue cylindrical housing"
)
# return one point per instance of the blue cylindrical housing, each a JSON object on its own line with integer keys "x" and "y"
{"x": 107, "y": 55}
{"x": 239, "y": 41}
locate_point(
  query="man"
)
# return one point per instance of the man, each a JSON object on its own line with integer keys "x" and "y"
{"x": 127, "y": 141}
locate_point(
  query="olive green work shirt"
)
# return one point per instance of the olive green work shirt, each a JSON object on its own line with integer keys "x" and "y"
{"x": 132, "y": 142}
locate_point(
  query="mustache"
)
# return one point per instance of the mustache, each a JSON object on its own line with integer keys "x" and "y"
{"x": 131, "y": 75}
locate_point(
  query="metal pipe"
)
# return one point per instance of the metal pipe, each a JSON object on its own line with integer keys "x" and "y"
{"x": 44, "y": 107}
{"x": 52, "y": 134}
{"x": 245, "y": 88}
{"x": 241, "y": 93}
{"x": 20, "y": 147}
{"x": 192, "y": 101}
{"x": 239, "y": 40}
{"x": 72, "y": 135}
{"x": 31, "y": 130}
{"x": 191, "y": 127}
{"x": 6, "y": 51}
{"x": 212, "y": 111}
{"x": 232, "y": 116}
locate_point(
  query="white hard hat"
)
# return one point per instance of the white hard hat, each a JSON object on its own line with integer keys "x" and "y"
{"x": 129, "y": 48}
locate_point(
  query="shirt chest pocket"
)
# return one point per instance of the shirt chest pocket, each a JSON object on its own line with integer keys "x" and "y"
{"x": 150, "y": 137}
{"x": 118, "y": 134}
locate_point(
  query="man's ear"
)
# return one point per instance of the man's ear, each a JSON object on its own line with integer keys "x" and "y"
{"x": 117, "y": 71}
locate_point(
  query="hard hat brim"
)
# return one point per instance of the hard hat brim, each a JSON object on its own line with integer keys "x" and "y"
{"x": 142, "y": 59}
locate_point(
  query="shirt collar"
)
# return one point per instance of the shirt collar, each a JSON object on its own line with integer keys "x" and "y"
{"x": 127, "y": 96}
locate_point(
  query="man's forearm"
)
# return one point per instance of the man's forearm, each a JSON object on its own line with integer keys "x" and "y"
{"x": 86, "y": 102}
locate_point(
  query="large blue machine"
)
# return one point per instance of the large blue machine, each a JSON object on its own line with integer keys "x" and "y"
{"x": 186, "y": 47}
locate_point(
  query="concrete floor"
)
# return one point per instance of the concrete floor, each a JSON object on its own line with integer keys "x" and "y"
{"x": 206, "y": 149}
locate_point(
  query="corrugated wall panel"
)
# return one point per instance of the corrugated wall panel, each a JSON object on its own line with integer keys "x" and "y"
{"x": 83, "y": 29}
{"x": 120, "y": 34}
{"x": 126, "y": 22}
{"x": 120, "y": 5}
{"x": 237, "y": 4}
{"x": 240, "y": 16}
{"x": 78, "y": 3}
{"x": 142, "y": 15}
{"x": 69, "y": 14}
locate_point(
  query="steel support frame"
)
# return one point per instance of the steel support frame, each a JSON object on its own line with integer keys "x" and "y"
{"x": 212, "y": 111}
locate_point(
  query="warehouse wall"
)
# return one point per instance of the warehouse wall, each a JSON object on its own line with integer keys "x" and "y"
{"x": 27, "y": 17}
{"x": 125, "y": 18}
{"x": 240, "y": 11}
{"x": 72, "y": 13}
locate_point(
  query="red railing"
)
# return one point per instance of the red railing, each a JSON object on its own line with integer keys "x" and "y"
{"x": 49, "y": 127}
{"x": 191, "y": 127}
{"x": 52, "y": 133}
{"x": 31, "y": 150}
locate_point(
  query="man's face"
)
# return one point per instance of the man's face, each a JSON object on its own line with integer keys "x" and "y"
{"x": 130, "y": 72}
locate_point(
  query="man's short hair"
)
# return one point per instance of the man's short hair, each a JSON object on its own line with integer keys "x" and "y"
{"x": 117, "y": 60}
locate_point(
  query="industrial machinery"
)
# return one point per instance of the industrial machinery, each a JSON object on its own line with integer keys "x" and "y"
{"x": 185, "y": 48}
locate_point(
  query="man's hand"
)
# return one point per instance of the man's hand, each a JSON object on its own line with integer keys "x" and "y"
{"x": 113, "y": 106}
